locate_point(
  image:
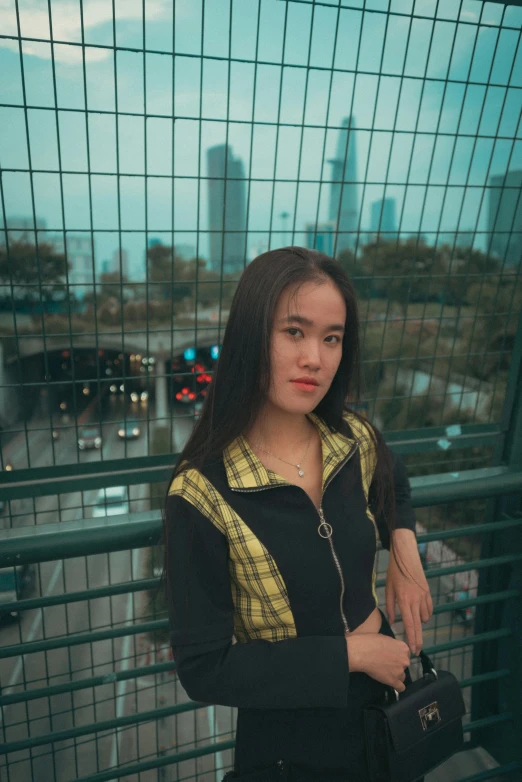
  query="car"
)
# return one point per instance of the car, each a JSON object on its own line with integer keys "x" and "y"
{"x": 89, "y": 437}
{"x": 185, "y": 396}
{"x": 15, "y": 584}
{"x": 112, "y": 501}
{"x": 129, "y": 430}
{"x": 137, "y": 396}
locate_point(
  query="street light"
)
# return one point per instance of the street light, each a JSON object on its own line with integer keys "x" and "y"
{"x": 284, "y": 217}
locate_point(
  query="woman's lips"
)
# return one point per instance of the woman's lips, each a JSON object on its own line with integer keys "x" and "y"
{"x": 304, "y": 386}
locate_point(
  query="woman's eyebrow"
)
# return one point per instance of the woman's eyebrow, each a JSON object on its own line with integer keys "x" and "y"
{"x": 307, "y": 322}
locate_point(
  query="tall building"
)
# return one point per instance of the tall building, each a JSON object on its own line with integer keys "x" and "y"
{"x": 505, "y": 217}
{"x": 226, "y": 207}
{"x": 383, "y": 220}
{"x": 344, "y": 205}
{"x": 321, "y": 236}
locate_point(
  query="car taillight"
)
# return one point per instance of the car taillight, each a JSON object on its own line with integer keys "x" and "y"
{"x": 179, "y": 396}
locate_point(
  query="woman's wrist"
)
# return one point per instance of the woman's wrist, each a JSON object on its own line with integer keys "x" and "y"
{"x": 354, "y": 654}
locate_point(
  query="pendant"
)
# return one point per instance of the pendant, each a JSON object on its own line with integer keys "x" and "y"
{"x": 299, "y": 470}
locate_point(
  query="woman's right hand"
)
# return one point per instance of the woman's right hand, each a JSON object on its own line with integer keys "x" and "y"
{"x": 381, "y": 657}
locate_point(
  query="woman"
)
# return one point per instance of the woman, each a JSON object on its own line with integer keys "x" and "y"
{"x": 271, "y": 526}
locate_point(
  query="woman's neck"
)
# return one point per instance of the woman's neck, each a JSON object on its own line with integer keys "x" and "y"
{"x": 278, "y": 431}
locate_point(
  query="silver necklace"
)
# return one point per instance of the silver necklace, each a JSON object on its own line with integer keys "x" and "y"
{"x": 299, "y": 466}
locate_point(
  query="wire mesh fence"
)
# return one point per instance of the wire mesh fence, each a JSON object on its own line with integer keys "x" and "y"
{"x": 149, "y": 151}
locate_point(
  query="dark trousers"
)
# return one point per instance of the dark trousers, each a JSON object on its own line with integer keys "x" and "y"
{"x": 307, "y": 745}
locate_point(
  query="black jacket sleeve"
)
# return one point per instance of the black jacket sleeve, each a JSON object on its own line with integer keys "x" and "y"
{"x": 404, "y": 512}
{"x": 301, "y": 672}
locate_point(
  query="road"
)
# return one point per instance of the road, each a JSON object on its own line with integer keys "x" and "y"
{"x": 74, "y": 759}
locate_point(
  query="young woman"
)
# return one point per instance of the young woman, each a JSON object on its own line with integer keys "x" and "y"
{"x": 271, "y": 525}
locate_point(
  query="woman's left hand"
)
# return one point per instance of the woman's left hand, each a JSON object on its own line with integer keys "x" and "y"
{"x": 409, "y": 589}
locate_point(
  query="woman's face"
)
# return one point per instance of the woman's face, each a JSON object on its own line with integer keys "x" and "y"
{"x": 306, "y": 345}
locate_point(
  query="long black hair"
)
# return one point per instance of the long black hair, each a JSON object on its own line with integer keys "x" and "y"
{"x": 240, "y": 386}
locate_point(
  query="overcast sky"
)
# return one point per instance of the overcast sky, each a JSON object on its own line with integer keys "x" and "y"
{"x": 381, "y": 61}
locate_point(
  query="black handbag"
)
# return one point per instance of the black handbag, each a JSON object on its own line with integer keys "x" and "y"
{"x": 408, "y": 734}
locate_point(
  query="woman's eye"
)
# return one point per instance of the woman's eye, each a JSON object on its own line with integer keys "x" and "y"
{"x": 335, "y": 337}
{"x": 294, "y": 332}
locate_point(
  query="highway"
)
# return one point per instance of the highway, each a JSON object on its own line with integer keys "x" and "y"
{"x": 73, "y": 759}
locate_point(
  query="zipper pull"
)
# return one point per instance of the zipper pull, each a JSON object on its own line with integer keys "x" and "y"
{"x": 324, "y": 529}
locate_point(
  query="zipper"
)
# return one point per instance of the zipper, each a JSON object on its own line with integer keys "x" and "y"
{"x": 324, "y": 526}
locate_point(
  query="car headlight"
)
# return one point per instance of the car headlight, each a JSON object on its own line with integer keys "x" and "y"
{"x": 121, "y": 432}
{"x": 81, "y": 442}
{"x": 135, "y": 432}
{"x": 144, "y": 396}
{"x": 97, "y": 441}
{"x": 134, "y": 396}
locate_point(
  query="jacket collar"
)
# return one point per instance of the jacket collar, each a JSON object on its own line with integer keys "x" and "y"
{"x": 245, "y": 471}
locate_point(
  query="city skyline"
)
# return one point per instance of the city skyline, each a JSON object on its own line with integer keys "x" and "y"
{"x": 126, "y": 170}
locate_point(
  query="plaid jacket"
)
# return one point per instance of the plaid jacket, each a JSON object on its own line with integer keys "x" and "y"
{"x": 246, "y": 563}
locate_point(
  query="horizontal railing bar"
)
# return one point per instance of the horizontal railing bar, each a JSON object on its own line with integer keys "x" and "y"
{"x": 159, "y": 624}
{"x": 485, "y": 722}
{"x": 152, "y": 670}
{"x": 476, "y": 564}
{"x": 469, "y": 530}
{"x": 159, "y": 762}
{"x": 471, "y": 681}
{"x": 81, "y": 638}
{"x": 84, "y": 594}
{"x": 84, "y": 537}
{"x": 463, "y": 567}
{"x": 471, "y": 640}
{"x": 76, "y": 477}
{"x": 441, "y": 489}
{"x": 85, "y": 684}
{"x": 156, "y": 714}
{"x": 97, "y": 727}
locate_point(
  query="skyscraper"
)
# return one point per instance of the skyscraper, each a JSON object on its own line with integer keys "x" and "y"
{"x": 505, "y": 217}
{"x": 383, "y": 218}
{"x": 344, "y": 207}
{"x": 226, "y": 207}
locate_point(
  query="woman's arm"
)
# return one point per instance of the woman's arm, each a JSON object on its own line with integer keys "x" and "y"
{"x": 405, "y": 585}
{"x": 299, "y": 672}
{"x": 404, "y": 512}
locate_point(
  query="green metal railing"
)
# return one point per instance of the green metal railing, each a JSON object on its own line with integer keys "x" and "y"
{"x": 22, "y": 546}
{"x": 148, "y": 151}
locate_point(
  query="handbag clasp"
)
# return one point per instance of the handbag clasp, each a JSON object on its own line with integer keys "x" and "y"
{"x": 430, "y": 716}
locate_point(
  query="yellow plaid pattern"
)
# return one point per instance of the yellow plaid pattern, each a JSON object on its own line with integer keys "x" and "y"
{"x": 261, "y": 605}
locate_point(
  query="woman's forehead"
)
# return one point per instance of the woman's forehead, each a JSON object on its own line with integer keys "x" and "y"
{"x": 319, "y": 299}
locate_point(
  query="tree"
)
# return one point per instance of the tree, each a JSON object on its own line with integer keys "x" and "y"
{"x": 357, "y": 272}
{"x": 404, "y": 271}
{"x": 464, "y": 265}
{"x": 34, "y": 274}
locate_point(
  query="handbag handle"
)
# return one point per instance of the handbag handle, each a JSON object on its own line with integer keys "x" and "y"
{"x": 427, "y": 670}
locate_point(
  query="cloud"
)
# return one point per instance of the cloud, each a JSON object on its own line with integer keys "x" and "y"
{"x": 66, "y": 21}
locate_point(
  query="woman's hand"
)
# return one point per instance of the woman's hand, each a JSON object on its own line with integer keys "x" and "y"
{"x": 410, "y": 591}
{"x": 381, "y": 657}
